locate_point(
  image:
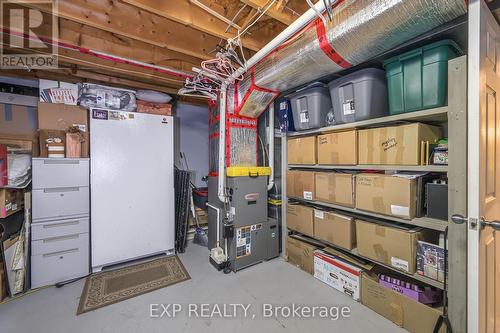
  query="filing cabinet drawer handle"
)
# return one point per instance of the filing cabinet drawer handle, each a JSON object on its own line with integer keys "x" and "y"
{"x": 60, "y": 238}
{"x": 61, "y": 189}
{"x": 59, "y": 253}
{"x": 62, "y": 161}
{"x": 62, "y": 224}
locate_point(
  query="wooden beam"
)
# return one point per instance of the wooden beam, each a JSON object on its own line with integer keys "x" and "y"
{"x": 284, "y": 17}
{"x": 126, "y": 20}
{"x": 84, "y": 36}
{"x": 184, "y": 12}
{"x": 76, "y": 76}
{"x": 89, "y": 61}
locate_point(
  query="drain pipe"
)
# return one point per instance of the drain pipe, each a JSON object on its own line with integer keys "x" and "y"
{"x": 270, "y": 185}
{"x": 221, "y": 177}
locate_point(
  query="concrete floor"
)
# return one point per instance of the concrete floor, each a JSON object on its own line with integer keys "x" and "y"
{"x": 275, "y": 282}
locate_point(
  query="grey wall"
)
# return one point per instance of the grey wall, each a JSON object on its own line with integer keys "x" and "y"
{"x": 192, "y": 134}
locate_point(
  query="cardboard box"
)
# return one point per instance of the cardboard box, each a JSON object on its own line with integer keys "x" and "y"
{"x": 18, "y": 120}
{"x": 334, "y": 187}
{"x": 11, "y": 201}
{"x": 340, "y": 148}
{"x": 387, "y": 194}
{"x": 45, "y": 134}
{"x": 392, "y": 246}
{"x": 300, "y": 218}
{"x": 334, "y": 228}
{"x": 300, "y": 184}
{"x": 162, "y": 109}
{"x": 58, "y": 92}
{"x": 61, "y": 117}
{"x": 21, "y": 143}
{"x": 300, "y": 254}
{"x": 395, "y": 144}
{"x": 302, "y": 150}
{"x": 403, "y": 311}
{"x": 338, "y": 274}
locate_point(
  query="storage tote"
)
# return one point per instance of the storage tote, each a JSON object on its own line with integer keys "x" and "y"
{"x": 359, "y": 96}
{"x": 310, "y": 106}
{"x": 418, "y": 79}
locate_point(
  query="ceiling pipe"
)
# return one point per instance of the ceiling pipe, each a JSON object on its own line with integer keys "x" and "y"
{"x": 285, "y": 35}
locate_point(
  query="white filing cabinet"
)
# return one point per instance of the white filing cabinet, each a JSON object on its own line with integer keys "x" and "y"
{"x": 60, "y": 228}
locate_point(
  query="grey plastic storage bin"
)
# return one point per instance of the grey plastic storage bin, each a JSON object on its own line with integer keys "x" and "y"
{"x": 310, "y": 106}
{"x": 359, "y": 96}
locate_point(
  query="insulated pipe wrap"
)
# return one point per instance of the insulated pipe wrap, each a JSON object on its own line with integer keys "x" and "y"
{"x": 360, "y": 30}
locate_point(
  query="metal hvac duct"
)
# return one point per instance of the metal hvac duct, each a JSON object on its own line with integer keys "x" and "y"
{"x": 359, "y": 31}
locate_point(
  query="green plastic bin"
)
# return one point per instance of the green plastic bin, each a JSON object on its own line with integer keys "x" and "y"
{"x": 418, "y": 79}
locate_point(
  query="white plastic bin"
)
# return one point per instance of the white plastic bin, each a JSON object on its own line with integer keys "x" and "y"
{"x": 310, "y": 106}
{"x": 359, "y": 96}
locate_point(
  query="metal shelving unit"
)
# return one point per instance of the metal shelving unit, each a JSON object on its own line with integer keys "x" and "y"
{"x": 436, "y": 115}
{"x": 355, "y": 253}
{"x": 455, "y": 115}
{"x": 424, "y": 222}
{"x": 418, "y": 168}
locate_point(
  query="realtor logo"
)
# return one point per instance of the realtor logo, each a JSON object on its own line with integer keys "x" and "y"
{"x": 28, "y": 31}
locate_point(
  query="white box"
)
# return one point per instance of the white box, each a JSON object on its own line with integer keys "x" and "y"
{"x": 58, "y": 92}
{"x": 338, "y": 274}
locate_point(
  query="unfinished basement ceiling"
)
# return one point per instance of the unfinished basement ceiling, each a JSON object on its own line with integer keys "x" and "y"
{"x": 175, "y": 34}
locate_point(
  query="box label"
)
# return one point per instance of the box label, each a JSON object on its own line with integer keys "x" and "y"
{"x": 81, "y": 127}
{"x": 308, "y": 195}
{"x": 400, "y": 210}
{"x": 304, "y": 117}
{"x": 100, "y": 114}
{"x": 348, "y": 108}
{"x": 319, "y": 214}
{"x": 400, "y": 264}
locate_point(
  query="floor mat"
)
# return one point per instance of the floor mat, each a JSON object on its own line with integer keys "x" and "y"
{"x": 108, "y": 287}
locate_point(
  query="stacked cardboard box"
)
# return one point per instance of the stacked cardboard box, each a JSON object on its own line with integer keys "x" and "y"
{"x": 300, "y": 254}
{"x": 387, "y": 194}
{"x": 300, "y": 184}
{"x": 339, "y": 148}
{"x": 300, "y": 218}
{"x": 11, "y": 201}
{"x": 302, "y": 150}
{"x": 403, "y": 311}
{"x": 334, "y": 187}
{"x": 400, "y": 145}
{"x": 335, "y": 229}
{"x": 55, "y": 119}
{"x": 390, "y": 245}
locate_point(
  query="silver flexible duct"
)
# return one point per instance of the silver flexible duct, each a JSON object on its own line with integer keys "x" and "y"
{"x": 360, "y": 30}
